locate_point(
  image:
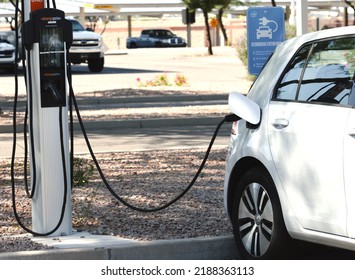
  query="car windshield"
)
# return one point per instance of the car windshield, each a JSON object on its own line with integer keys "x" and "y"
{"x": 77, "y": 26}
{"x": 161, "y": 33}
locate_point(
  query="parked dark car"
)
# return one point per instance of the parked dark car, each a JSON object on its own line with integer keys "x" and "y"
{"x": 155, "y": 38}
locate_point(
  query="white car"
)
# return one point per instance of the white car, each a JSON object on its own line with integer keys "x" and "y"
{"x": 291, "y": 161}
{"x": 7, "y": 54}
{"x": 87, "y": 47}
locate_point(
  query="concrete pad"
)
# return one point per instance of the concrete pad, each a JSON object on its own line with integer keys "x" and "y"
{"x": 82, "y": 240}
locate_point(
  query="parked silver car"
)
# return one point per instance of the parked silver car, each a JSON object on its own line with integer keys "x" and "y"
{"x": 290, "y": 167}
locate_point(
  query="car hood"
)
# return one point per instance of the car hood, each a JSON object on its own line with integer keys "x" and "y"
{"x": 86, "y": 35}
{"x": 6, "y": 46}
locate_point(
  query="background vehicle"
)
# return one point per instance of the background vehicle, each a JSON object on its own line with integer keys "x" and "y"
{"x": 157, "y": 38}
{"x": 87, "y": 48}
{"x": 290, "y": 165}
{"x": 7, "y": 51}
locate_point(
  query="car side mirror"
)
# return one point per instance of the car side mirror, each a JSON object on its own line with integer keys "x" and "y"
{"x": 89, "y": 29}
{"x": 244, "y": 108}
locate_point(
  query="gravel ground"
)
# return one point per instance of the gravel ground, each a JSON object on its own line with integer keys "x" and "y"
{"x": 143, "y": 179}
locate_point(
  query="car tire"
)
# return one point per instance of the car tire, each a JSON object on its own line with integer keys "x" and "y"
{"x": 10, "y": 70}
{"x": 96, "y": 64}
{"x": 132, "y": 46}
{"x": 258, "y": 225}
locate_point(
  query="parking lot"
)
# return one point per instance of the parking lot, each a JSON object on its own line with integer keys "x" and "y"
{"x": 222, "y": 72}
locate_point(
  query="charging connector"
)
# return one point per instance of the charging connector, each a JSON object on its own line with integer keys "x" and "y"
{"x": 231, "y": 118}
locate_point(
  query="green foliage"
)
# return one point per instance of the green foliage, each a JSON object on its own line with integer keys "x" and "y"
{"x": 180, "y": 80}
{"x": 82, "y": 171}
{"x": 163, "y": 80}
{"x": 290, "y": 30}
{"x": 204, "y": 5}
{"x": 242, "y": 49}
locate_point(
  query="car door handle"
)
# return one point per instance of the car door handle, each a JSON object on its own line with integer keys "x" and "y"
{"x": 280, "y": 123}
{"x": 352, "y": 132}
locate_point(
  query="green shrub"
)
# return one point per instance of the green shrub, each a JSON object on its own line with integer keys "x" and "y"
{"x": 82, "y": 171}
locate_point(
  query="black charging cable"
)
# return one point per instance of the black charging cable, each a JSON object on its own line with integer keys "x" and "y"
{"x": 228, "y": 118}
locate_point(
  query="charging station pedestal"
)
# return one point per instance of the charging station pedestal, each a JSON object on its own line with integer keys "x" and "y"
{"x": 46, "y": 36}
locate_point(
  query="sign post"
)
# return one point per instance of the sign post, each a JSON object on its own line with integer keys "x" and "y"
{"x": 265, "y": 31}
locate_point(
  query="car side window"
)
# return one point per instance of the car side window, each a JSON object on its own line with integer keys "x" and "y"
{"x": 325, "y": 75}
{"x": 287, "y": 89}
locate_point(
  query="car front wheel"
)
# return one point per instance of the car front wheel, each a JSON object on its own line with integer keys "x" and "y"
{"x": 96, "y": 64}
{"x": 259, "y": 229}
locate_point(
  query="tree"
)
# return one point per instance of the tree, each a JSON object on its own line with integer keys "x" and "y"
{"x": 222, "y": 6}
{"x": 206, "y": 6}
{"x": 351, "y": 5}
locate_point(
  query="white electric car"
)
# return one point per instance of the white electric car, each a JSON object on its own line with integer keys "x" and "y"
{"x": 291, "y": 162}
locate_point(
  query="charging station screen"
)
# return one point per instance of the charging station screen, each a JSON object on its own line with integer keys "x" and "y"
{"x": 51, "y": 50}
{"x": 51, "y": 47}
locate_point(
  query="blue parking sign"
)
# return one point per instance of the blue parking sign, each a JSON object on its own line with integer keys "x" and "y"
{"x": 265, "y": 30}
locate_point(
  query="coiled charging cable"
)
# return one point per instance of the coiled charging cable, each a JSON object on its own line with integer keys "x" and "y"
{"x": 228, "y": 118}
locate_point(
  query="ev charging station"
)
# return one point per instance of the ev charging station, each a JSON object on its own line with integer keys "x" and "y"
{"x": 47, "y": 36}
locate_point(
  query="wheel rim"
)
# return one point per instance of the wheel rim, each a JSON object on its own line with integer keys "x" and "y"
{"x": 255, "y": 220}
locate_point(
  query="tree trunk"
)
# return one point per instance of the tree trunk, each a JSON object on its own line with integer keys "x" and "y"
{"x": 352, "y": 6}
{"x": 223, "y": 29}
{"x": 209, "y": 41}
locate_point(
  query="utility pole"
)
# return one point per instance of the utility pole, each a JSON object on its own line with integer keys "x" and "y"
{"x": 301, "y": 17}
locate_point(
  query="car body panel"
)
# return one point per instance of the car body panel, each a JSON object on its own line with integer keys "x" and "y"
{"x": 86, "y": 44}
{"x": 349, "y": 175}
{"x": 7, "y": 50}
{"x": 7, "y": 54}
{"x": 302, "y": 164}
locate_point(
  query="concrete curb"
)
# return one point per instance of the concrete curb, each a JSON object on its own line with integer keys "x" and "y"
{"x": 209, "y": 248}
{"x": 139, "y": 123}
{"x": 140, "y": 99}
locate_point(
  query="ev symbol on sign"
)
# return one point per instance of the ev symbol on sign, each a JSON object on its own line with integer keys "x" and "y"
{"x": 264, "y": 30}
